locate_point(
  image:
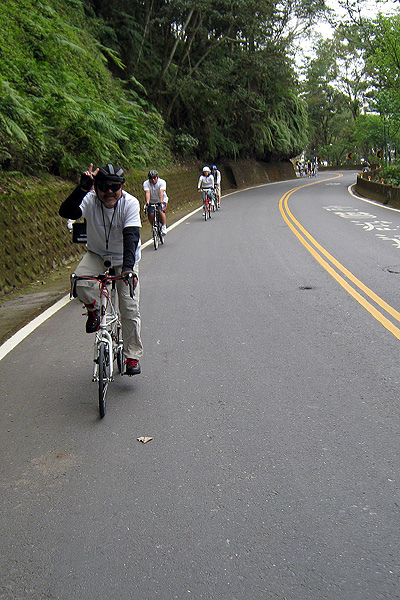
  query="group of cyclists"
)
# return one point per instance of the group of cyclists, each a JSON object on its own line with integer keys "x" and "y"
{"x": 307, "y": 169}
{"x": 210, "y": 184}
{"x": 113, "y": 241}
{"x": 155, "y": 190}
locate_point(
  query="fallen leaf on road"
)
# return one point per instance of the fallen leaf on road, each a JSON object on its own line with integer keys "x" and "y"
{"x": 144, "y": 439}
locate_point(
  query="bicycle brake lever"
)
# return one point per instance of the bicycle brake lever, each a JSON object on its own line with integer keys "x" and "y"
{"x": 129, "y": 278}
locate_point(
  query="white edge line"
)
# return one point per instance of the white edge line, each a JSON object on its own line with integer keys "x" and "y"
{"x": 27, "y": 329}
{"x": 13, "y": 341}
{"x": 355, "y": 195}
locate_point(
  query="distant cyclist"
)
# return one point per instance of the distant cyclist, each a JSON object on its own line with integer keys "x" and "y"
{"x": 206, "y": 183}
{"x": 217, "y": 183}
{"x": 155, "y": 190}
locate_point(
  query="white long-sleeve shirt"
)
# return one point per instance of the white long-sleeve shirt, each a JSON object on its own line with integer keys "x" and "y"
{"x": 206, "y": 183}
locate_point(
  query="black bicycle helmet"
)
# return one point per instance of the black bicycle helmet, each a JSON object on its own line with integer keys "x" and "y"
{"x": 152, "y": 174}
{"x": 110, "y": 173}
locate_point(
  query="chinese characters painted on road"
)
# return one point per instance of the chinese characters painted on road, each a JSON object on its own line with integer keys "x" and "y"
{"x": 368, "y": 222}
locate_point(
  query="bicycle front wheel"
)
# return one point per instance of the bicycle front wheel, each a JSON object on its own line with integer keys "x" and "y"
{"x": 120, "y": 349}
{"x": 155, "y": 238}
{"x": 160, "y": 235}
{"x": 104, "y": 376}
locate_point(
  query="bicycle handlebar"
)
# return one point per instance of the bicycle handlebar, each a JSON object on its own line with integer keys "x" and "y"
{"x": 103, "y": 278}
{"x": 155, "y": 205}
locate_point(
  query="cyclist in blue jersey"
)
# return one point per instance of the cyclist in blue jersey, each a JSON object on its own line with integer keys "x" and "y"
{"x": 217, "y": 183}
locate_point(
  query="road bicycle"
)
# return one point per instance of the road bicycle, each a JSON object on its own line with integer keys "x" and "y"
{"x": 208, "y": 202}
{"x": 108, "y": 343}
{"x": 158, "y": 237}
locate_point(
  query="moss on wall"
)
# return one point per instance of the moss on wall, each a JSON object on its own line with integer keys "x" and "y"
{"x": 35, "y": 239}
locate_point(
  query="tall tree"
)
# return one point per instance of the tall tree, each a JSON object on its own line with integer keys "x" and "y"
{"x": 219, "y": 70}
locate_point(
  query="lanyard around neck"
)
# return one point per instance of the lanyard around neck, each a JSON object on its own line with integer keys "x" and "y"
{"x": 107, "y": 236}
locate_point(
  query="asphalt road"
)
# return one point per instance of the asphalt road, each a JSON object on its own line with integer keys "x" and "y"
{"x": 270, "y": 387}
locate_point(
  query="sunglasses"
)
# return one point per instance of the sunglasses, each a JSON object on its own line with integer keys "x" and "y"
{"x": 104, "y": 186}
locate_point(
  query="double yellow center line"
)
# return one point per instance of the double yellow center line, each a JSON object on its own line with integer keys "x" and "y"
{"x": 343, "y": 276}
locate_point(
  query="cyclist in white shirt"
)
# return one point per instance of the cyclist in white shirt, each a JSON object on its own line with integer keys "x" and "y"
{"x": 155, "y": 190}
{"x": 113, "y": 239}
{"x": 206, "y": 183}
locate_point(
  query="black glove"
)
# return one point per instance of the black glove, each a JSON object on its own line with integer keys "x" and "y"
{"x": 86, "y": 182}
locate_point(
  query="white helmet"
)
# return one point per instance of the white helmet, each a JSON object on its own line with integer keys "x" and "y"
{"x": 206, "y": 169}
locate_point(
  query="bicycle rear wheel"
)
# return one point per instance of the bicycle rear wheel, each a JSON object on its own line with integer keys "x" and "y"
{"x": 104, "y": 376}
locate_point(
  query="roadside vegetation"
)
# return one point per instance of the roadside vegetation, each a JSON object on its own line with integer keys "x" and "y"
{"x": 148, "y": 82}
{"x": 60, "y": 105}
{"x": 165, "y": 81}
{"x": 351, "y": 87}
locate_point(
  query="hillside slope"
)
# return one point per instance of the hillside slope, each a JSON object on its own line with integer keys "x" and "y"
{"x": 60, "y": 105}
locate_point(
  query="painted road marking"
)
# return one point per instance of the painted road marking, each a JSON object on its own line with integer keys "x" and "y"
{"x": 355, "y": 288}
{"x": 368, "y": 222}
{"x": 25, "y": 331}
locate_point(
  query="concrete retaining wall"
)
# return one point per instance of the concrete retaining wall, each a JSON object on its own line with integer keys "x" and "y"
{"x": 380, "y": 192}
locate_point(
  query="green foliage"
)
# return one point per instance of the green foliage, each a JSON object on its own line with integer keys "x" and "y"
{"x": 352, "y": 89}
{"x": 334, "y": 91}
{"x": 382, "y": 60}
{"x": 60, "y": 106}
{"x": 185, "y": 144}
{"x": 219, "y": 71}
{"x": 369, "y": 136}
{"x": 86, "y": 81}
{"x": 391, "y": 174}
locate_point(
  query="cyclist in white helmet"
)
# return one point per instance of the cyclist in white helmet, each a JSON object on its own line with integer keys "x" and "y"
{"x": 206, "y": 183}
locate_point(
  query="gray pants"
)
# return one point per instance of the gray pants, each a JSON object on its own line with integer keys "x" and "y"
{"x": 88, "y": 293}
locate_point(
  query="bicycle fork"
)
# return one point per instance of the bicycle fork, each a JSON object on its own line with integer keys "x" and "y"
{"x": 103, "y": 336}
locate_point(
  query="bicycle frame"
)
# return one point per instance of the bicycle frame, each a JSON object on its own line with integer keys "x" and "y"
{"x": 108, "y": 343}
{"x": 110, "y": 324}
{"x": 108, "y": 328}
{"x": 207, "y": 200}
{"x": 156, "y": 227}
